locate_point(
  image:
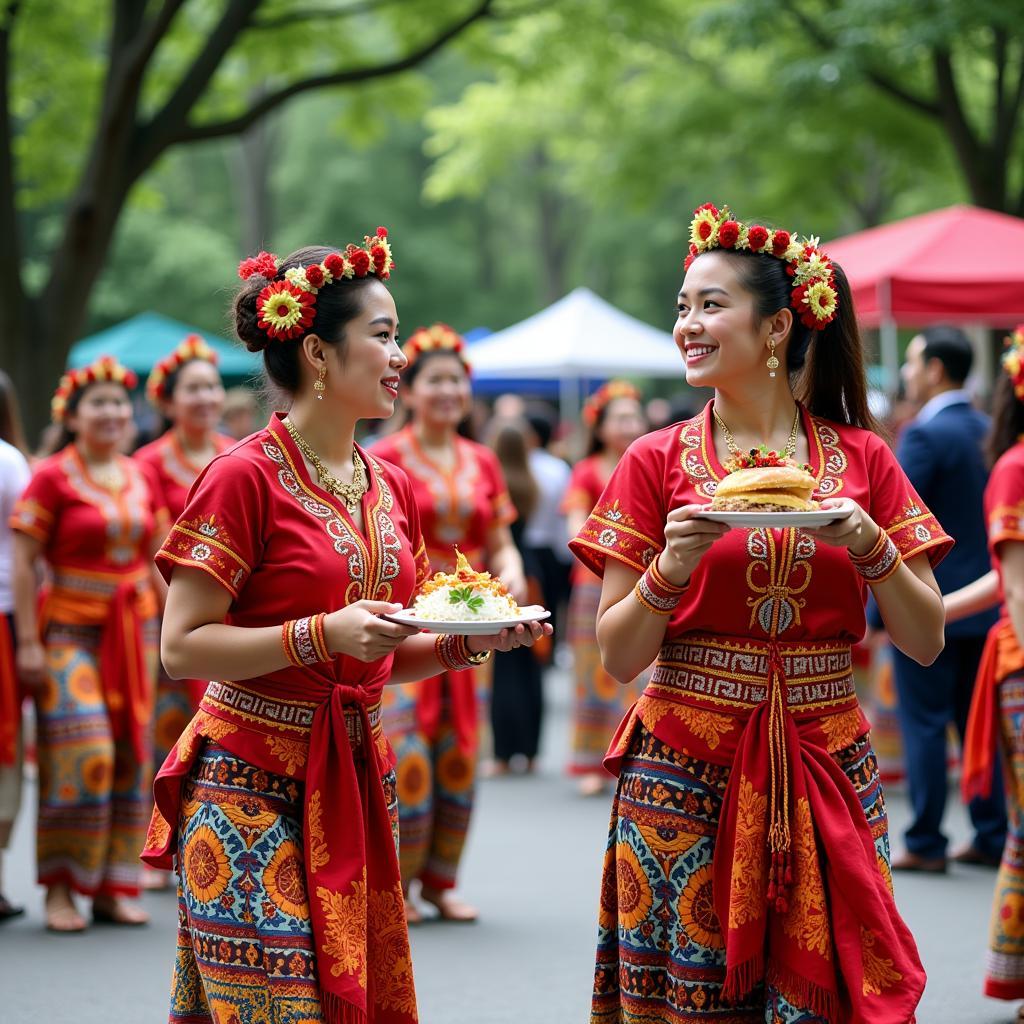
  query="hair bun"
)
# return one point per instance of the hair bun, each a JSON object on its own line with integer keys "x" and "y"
{"x": 246, "y": 317}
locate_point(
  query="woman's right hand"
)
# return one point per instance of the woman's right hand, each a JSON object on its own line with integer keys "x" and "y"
{"x": 687, "y": 539}
{"x": 358, "y": 631}
{"x": 31, "y": 666}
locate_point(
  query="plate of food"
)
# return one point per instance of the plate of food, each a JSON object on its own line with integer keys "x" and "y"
{"x": 467, "y": 602}
{"x": 765, "y": 489}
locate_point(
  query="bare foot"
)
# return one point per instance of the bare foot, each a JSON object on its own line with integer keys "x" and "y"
{"x": 591, "y": 785}
{"x": 61, "y": 913}
{"x": 118, "y": 910}
{"x": 154, "y": 880}
{"x": 412, "y": 914}
{"x": 449, "y": 906}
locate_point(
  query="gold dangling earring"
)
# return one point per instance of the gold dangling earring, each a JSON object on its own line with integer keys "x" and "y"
{"x": 773, "y": 360}
{"x": 319, "y": 387}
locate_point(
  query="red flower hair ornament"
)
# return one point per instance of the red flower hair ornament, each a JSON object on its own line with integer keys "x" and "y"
{"x": 287, "y": 308}
{"x": 813, "y": 295}
{"x": 1013, "y": 360}
{"x": 437, "y": 338}
{"x": 106, "y": 368}
{"x": 193, "y": 347}
{"x": 606, "y": 393}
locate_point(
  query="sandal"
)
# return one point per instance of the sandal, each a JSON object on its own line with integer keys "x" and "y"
{"x": 120, "y": 912}
{"x": 64, "y": 919}
{"x": 449, "y": 908}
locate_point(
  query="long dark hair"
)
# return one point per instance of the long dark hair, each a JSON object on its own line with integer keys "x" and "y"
{"x": 336, "y": 304}
{"x": 827, "y": 366}
{"x": 1007, "y": 419}
{"x": 10, "y": 417}
{"x": 508, "y": 440}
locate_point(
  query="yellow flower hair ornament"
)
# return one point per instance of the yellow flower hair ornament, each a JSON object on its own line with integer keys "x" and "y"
{"x": 606, "y": 393}
{"x": 193, "y": 347}
{"x": 106, "y": 368}
{"x": 437, "y": 338}
{"x": 1013, "y": 360}
{"x": 813, "y": 295}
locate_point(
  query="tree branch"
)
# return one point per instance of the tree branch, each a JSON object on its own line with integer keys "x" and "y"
{"x": 881, "y": 81}
{"x": 301, "y": 15}
{"x": 155, "y": 136}
{"x": 972, "y": 153}
{"x": 350, "y": 76}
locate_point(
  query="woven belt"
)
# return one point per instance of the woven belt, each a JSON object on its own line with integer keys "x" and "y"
{"x": 736, "y": 672}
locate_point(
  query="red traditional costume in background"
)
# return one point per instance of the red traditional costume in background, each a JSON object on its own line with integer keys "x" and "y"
{"x": 97, "y": 620}
{"x": 994, "y": 726}
{"x": 753, "y": 691}
{"x": 457, "y": 507}
{"x": 171, "y": 476}
{"x": 283, "y": 547}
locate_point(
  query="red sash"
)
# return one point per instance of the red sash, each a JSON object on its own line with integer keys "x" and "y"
{"x": 1001, "y": 658}
{"x": 461, "y": 686}
{"x": 329, "y": 736}
{"x": 10, "y": 696}
{"x": 804, "y": 901}
{"x": 120, "y": 604}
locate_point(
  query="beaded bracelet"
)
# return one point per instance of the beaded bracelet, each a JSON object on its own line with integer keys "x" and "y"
{"x": 304, "y": 642}
{"x": 880, "y": 562}
{"x": 454, "y": 654}
{"x": 655, "y": 592}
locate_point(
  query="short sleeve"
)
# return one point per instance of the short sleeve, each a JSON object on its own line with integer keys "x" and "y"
{"x": 899, "y": 510}
{"x": 419, "y": 547}
{"x": 1004, "y": 502}
{"x": 503, "y": 511}
{"x": 36, "y": 511}
{"x": 220, "y": 530}
{"x": 579, "y": 497}
{"x": 628, "y": 521}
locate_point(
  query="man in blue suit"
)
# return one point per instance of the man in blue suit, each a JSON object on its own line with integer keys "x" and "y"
{"x": 941, "y": 453}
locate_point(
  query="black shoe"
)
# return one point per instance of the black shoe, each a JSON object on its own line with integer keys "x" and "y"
{"x": 972, "y": 855}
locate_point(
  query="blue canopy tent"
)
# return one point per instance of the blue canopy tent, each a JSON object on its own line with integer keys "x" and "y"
{"x": 142, "y": 341}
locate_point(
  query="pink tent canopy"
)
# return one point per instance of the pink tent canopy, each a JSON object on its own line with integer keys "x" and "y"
{"x": 957, "y": 265}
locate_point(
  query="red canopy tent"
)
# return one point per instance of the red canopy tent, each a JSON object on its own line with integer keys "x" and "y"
{"x": 958, "y": 265}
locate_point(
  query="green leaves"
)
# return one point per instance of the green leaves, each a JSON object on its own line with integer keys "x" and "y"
{"x": 464, "y": 595}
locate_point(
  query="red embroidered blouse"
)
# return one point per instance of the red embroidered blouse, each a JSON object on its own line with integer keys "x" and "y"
{"x": 171, "y": 474}
{"x": 586, "y": 485}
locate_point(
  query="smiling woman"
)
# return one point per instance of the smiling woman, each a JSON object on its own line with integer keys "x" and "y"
{"x": 291, "y": 546}
{"x": 749, "y": 740}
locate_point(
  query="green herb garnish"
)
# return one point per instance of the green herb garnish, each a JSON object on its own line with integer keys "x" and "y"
{"x": 460, "y": 595}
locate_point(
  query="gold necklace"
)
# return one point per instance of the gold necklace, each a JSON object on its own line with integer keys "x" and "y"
{"x": 350, "y": 494}
{"x": 730, "y": 442}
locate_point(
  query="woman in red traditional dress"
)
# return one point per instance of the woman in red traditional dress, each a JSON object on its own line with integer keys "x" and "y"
{"x": 186, "y": 389}
{"x": 997, "y": 708}
{"x": 616, "y": 419}
{"x": 90, "y": 651}
{"x": 746, "y": 876}
{"x": 434, "y": 724}
{"x": 278, "y": 801}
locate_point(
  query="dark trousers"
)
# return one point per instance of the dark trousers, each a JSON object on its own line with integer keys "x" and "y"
{"x": 553, "y": 576}
{"x": 517, "y": 704}
{"x": 929, "y": 699}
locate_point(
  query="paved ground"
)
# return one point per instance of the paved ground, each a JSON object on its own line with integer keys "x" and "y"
{"x": 532, "y": 866}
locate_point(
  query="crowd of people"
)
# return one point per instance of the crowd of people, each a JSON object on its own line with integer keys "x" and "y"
{"x": 199, "y": 620}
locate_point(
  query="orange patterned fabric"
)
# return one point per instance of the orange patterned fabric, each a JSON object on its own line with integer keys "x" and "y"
{"x": 829, "y": 934}
{"x": 255, "y": 522}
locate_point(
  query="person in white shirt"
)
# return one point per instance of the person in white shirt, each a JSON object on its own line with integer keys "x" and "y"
{"x": 14, "y": 475}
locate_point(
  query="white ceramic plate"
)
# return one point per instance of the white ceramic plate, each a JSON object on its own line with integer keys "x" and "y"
{"x": 816, "y": 517}
{"x": 408, "y": 617}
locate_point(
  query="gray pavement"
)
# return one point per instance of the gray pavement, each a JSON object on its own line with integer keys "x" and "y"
{"x": 532, "y": 866}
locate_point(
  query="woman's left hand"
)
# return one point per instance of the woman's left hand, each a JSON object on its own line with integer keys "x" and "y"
{"x": 856, "y": 530}
{"x": 526, "y": 634}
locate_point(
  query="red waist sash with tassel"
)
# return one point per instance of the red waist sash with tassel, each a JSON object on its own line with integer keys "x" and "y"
{"x": 804, "y": 901}
{"x": 1002, "y": 657}
{"x": 329, "y": 736}
{"x": 119, "y": 605}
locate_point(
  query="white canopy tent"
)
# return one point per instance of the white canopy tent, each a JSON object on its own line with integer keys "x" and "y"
{"x": 580, "y": 337}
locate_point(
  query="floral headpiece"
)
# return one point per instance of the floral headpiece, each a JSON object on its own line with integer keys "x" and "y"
{"x": 813, "y": 296}
{"x": 106, "y": 368}
{"x": 439, "y": 337}
{"x": 287, "y": 308}
{"x": 603, "y": 395}
{"x": 193, "y": 347}
{"x": 1013, "y": 360}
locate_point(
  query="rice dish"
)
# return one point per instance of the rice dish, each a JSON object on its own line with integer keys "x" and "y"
{"x": 464, "y": 595}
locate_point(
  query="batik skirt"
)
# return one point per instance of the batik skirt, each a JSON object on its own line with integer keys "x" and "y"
{"x": 245, "y": 941}
{"x": 661, "y": 952}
